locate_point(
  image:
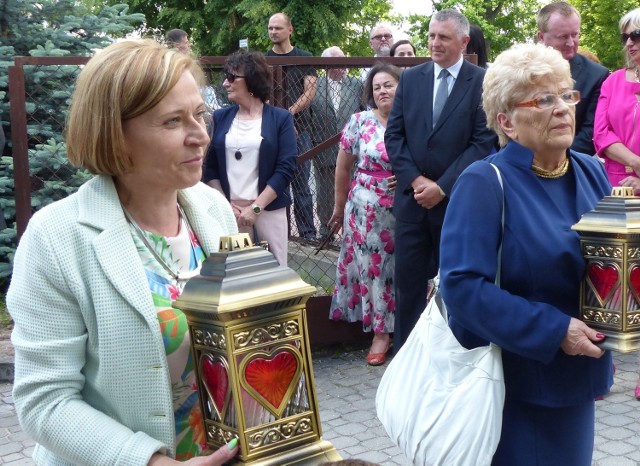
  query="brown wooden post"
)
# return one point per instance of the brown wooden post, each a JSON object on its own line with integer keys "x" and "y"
{"x": 19, "y": 143}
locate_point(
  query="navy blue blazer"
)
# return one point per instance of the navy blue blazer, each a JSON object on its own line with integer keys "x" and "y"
{"x": 416, "y": 148}
{"x": 277, "y": 154}
{"x": 542, "y": 266}
{"x": 588, "y": 77}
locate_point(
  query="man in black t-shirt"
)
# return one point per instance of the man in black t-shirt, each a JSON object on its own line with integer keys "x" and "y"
{"x": 301, "y": 88}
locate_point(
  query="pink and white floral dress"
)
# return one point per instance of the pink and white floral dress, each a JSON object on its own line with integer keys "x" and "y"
{"x": 364, "y": 280}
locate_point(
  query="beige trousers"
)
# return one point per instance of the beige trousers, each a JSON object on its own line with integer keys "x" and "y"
{"x": 270, "y": 226}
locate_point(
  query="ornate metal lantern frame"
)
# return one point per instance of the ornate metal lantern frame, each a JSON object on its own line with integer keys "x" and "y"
{"x": 610, "y": 290}
{"x": 251, "y": 351}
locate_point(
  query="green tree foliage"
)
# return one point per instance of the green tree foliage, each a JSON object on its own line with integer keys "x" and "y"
{"x": 503, "y": 22}
{"x": 47, "y": 28}
{"x": 600, "y": 32}
{"x": 216, "y": 26}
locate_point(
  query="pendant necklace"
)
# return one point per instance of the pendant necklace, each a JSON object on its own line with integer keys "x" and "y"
{"x": 238, "y": 154}
{"x": 143, "y": 237}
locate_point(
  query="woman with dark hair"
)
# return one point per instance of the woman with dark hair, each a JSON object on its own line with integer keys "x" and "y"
{"x": 253, "y": 152}
{"x": 402, "y": 48}
{"x": 364, "y": 280}
{"x": 478, "y": 45}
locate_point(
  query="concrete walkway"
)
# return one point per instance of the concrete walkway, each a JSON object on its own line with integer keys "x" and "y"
{"x": 346, "y": 389}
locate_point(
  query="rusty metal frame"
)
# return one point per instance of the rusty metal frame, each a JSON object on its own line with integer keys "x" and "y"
{"x": 18, "y": 113}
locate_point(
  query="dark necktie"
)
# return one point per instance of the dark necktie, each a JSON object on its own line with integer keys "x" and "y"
{"x": 441, "y": 96}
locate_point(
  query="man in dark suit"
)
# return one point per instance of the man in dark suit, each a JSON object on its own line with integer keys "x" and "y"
{"x": 428, "y": 153}
{"x": 559, "y": 27}
{"x": 338, "y": 96}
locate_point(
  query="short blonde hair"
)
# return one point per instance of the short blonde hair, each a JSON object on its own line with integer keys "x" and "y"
{"x": 514, "y": 74}
{"x": 632, "y": 19}
{"x": 124, "y": 80}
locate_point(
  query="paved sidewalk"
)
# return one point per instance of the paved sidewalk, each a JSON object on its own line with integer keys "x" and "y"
{"x": 346, "y": 389}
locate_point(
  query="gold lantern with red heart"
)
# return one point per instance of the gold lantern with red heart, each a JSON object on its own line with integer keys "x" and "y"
{"x": 250, "y": 345}
{"x": 610, "y": 290}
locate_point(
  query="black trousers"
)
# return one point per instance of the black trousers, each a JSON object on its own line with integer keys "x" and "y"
{"x": 417, "y": 251}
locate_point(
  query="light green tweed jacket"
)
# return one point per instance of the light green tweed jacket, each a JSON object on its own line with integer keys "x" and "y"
{"x": 92, "y": 384}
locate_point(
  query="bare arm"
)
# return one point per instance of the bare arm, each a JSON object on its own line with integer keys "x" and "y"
{"x": 621, "y": 153}
{"x": 344, "y": 163}
{"x": 306, "y": 97}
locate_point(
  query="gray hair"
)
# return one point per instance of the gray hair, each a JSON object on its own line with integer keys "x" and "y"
{"x": 331, "y": 51}
{"x": 514, "y": 74}
{"x": 461, "y": 22}
{"x": 379, "y": 26}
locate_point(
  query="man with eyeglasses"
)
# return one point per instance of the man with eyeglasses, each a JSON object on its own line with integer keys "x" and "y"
{"x": 559, "y": 27}
{"x": 380, "y": 41}
{"x": 301, "y": 88}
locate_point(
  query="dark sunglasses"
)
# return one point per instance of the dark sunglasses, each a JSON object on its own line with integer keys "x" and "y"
{"x": 633, "y": 35}
{"x": 232, "y": 77}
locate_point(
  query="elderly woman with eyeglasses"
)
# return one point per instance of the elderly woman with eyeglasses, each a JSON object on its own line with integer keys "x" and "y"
{"x": 616, "y": 132}
{"x": 252, "y": 156}
{"x": 553, "y": 368}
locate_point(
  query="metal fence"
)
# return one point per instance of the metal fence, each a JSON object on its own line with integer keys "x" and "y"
{"x": 39, "y": 94}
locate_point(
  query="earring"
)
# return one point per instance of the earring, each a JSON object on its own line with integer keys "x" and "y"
{"x": 251, "y": 94}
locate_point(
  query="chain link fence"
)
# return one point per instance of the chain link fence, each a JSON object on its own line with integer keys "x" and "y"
{"x": 40, "y": 92}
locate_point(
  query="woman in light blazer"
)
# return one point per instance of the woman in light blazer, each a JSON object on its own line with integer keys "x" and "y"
{"x": 103, "y": 367}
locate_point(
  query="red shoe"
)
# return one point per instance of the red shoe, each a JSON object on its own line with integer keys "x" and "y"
{"x": 637, "y": 392}
{"x": 376, "y": 359}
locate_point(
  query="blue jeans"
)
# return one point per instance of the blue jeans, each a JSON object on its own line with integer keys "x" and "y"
{"x": 302, "y": 198}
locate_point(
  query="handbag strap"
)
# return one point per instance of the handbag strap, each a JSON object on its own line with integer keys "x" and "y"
{"x": 434, "y": 291}
{"x": 499, "y": 269}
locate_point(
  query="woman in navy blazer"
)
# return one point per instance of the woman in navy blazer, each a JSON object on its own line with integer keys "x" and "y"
{"x": 252, "y": 156}
{"x": 553, "y": 369}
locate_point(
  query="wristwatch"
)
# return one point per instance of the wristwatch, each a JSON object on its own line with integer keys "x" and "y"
{"x": 256, "y": 209}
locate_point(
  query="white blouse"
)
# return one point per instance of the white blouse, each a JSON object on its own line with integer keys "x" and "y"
{"x": 243, "y": 138}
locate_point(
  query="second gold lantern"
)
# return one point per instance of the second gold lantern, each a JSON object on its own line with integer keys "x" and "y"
{"x": 610, "y": 290}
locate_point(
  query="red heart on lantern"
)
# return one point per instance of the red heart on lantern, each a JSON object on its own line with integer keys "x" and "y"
{"x": 216, "y": 381}
{"x": 603, "y": 278}
{"x": 270, "y": 377}
{"x": 634, "y": 278}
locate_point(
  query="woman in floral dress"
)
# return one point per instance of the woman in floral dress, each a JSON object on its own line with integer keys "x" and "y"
{"x": 364, "y": 279}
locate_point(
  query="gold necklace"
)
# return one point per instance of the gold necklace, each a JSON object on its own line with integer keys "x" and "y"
{"x": 555, "y": 173}
{"x": 142, "y": 235}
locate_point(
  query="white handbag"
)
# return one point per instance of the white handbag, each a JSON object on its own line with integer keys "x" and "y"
{"x": 440, "y": 403}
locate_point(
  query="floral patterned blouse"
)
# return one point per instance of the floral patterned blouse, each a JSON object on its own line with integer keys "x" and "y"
{"x": 182, "y": 254}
